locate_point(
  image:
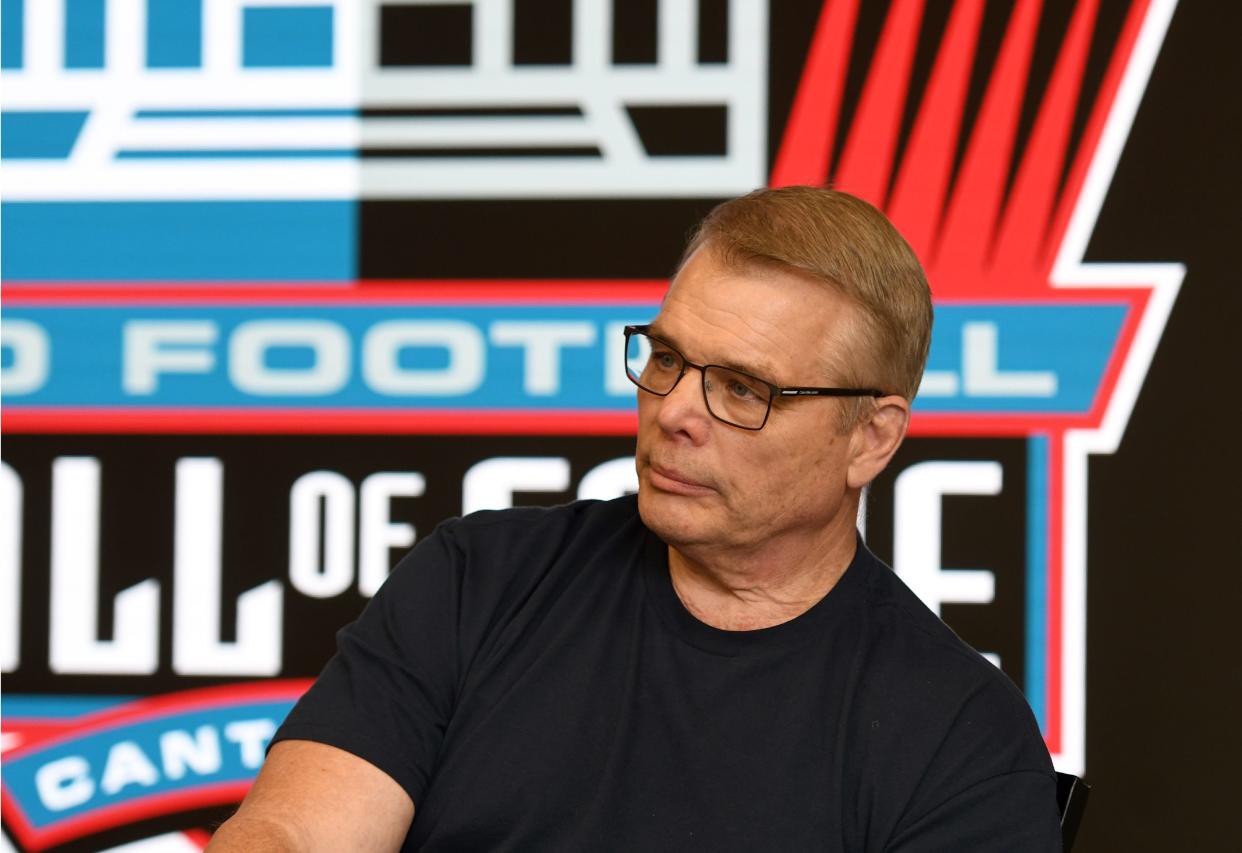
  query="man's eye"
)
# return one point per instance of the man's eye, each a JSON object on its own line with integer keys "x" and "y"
{"x": 741, "y": 390}
{"x": 664, "y": 360}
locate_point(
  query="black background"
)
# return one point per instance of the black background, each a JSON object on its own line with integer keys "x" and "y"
{"x": 1164, "y": 684}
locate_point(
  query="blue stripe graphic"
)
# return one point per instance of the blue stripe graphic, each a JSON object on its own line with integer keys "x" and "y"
{"x": 39, "y": 135}
{"x": 399, "y": 368}
{"x": 392, "y": 357}
{"x": 227, "y": 740}
{"x": 1036, "y": 664}
{"x": 187, "y": 241}
{"x": 1067, "y": 344}
{"x": 287, "y": 37}
{"x": 12, "y": 33}
{"x": 174, "y": 33}
{"x": 84, "y": 33}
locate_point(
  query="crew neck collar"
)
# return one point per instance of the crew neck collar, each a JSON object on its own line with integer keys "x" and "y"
{"x": 816, "y": 619}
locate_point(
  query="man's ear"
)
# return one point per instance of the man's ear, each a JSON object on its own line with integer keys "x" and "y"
{"x": 876, "y": 437}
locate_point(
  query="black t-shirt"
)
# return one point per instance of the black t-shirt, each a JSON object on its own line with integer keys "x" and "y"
{"x": 531, "y": 679}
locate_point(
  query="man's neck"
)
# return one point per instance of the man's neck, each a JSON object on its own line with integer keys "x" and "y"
{"x": 744, "y": 590}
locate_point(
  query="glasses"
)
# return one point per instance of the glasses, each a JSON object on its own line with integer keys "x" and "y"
{"x": 737, "y": 398}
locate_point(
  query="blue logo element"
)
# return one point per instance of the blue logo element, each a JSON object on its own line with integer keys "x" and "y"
{"x": 39, "y": 134}
{"x": 82, "y": 765}
{"x": 287, "y": 37}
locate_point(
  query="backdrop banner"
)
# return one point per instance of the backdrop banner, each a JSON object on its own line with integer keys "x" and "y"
{"x": 287, "y": 284}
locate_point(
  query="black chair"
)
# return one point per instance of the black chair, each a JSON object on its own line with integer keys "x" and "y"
{"x": 1072, "y": 795}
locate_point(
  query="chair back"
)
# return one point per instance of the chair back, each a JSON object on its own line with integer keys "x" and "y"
{"x": 1072, "y": 794}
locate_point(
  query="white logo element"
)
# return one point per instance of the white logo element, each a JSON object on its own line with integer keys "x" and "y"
{"x": 348, "y": 126}
{"x": 1071, "y": 271}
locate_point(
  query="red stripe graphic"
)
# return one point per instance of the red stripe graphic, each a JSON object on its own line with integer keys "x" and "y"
{"x": 963, "y": 248}
{"x": 118, "y": 815}
{"x": 1021, "y": 246}
{"x": 189, "y": 421}
{"x": 155, "y": 707}
{"x": 1099, "y": 115}
{"x": 806, "y": 150}
{"x": 978, "y": 241}
{"x": 975, "y": 242}
{"x": 866, "y": 165}
{"x": 923, "y": 182}
{"x": 369, "y": 292}
{"x": 38, "y": 735}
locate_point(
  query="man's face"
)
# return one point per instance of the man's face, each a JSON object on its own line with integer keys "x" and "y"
{"x": 704, "y": 483}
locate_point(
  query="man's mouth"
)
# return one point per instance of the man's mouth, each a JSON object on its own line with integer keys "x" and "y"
{"x": 671, "y": 480}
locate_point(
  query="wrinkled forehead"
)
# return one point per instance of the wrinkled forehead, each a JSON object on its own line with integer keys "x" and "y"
{"x": 783, "y": 318}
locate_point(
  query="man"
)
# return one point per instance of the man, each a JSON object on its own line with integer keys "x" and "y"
{"x": 718, "y": 664}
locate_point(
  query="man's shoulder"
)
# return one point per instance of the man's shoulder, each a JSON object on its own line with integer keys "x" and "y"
{"x": 903, "y": 631}
{"x": 914, "y": 657}
{"x": 931, "y": 718}
{"x": 573, "y": 512}
{"x": 494, "y": 555}
{"x": 493, "y": 571}
{"x": 923, "y": 693}
{"x": 543, "y": 527}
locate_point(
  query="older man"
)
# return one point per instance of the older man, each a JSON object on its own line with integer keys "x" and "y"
{"x": 718, "y": 664}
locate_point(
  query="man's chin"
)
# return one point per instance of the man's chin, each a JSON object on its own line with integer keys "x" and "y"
{"x": 676, "y": 519}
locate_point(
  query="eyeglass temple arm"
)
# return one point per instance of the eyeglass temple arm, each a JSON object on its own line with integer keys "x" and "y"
{"x": 830, "y": 392}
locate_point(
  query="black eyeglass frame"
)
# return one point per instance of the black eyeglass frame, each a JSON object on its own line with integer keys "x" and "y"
{"x": 777, "y": 390}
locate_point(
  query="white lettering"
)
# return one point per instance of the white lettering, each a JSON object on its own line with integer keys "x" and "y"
{"x": 182, "y": 752}
{"x": 31, "y": 360}
{"x": 197, "y": 648}
{"x": 542, "y": 343}
{"x": 252, "y": 737}
{"x": 335, "y": 572}
{"x": 938, "y": 383}
{"x": 10, "y": 568}
{"x": 609, "y": 480}
{"x": 490, "y": 484}
{"x": 127, "y": 765}
{"x": 74, "y": 643}
{"x": 152, "y": 347}
{"x": 982, "y": 377}
{"x": 251, "y": 342}
{"x": 64, "y": 783}
{"x": 916, "y": 530}
{"x": 379, "y": 532}
{"x": 384, "y": 342}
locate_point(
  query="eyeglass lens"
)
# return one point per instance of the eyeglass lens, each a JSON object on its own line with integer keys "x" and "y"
{"x": 731, "y": 396}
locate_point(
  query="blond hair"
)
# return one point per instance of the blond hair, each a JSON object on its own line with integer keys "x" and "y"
{"x": 850, "y": 245}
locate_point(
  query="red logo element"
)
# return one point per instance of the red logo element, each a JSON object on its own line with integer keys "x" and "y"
{"x": 976, "y": 241}
{"x": 986, "y": 239}
{"x": 89, "y": 744}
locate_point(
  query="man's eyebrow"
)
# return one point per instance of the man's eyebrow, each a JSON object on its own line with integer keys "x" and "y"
{"x": 762, "y": 371}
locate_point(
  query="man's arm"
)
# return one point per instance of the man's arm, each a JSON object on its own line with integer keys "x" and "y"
{"x": 310, "y": 796}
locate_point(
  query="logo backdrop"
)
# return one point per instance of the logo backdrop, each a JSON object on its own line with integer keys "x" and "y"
{"x": 287, "y": 283}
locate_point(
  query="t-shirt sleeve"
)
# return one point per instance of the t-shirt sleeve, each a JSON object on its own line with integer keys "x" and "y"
{"x": 1012, "y": 812}
{"x": 387, "y": 694}
{"x": 990, "y": 786}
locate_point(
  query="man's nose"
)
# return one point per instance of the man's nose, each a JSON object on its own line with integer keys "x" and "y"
{"x": 684, "y": 410}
